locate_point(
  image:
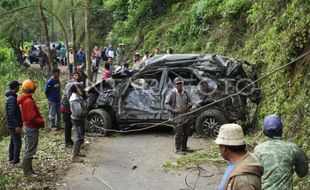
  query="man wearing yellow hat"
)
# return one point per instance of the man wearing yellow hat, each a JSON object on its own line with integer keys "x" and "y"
{"x": 32, "y": 121}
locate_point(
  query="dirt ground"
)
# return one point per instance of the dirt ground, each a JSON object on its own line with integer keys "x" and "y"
{"x": 133, "y": 161}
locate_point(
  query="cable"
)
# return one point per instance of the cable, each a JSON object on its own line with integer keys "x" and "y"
{"x": 212, "y": 103}
{"x": 200, "y": 170}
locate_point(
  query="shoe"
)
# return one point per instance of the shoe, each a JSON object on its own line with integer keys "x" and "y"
{"x": 81, "y": 155}
{"x": 27, "y": 167}
{"x": 69, "y": 145}
{"x": 14, "y": 162}
{"x": 186, "y": 149}
{"x": 77, "y": 159}
{"x": 53, "y": 129}
{"x": 180, "y": 152}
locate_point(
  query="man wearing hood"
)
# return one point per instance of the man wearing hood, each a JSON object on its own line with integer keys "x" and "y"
{"x": 14, "y": 121}
{"x": 279, "y": 158}
{"x": 32, "y": 121}
{"x": 244, "y": 170}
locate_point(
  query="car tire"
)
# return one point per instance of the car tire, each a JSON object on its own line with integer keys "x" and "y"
{"x": 99, "y": 120}
{"x": 209, "y": 122}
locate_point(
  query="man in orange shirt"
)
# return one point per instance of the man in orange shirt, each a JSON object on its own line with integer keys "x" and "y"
{"x": 32, "y": 121}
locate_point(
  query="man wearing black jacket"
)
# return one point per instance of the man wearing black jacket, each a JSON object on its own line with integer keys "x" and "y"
{"x": 14, "y": 121}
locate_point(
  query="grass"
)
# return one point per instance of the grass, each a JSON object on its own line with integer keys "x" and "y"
{"x": 52, "y": 159}
{"x": 50, "y": 163}
{"x": 200, "y": 157}
{"x": 206, "y": 156}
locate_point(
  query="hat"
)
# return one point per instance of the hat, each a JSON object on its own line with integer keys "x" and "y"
{"x": 231, "y": 135}
{"x": 137, "y": 53}
{"x": 13, "y": 84}
{"x": 29, "y": 86}
{"x": 121, "y": 44}
{"x": 178, "y": 80}
{"x": 273, "y": 126}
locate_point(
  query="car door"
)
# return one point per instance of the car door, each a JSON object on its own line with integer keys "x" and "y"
{"x": 142, "y": 99}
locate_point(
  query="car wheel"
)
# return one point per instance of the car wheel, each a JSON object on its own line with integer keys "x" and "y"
{"x": 209, "y": 122}
{"x": 99, "y": 120}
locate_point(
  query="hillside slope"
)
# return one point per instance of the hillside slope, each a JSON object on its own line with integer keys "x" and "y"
{"x": 266, "y": 33}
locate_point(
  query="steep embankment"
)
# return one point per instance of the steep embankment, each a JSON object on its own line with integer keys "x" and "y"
{"x": 266, "y": 33}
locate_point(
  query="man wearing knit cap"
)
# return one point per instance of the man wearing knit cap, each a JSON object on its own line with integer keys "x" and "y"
{"x": 279, "y": 158}
{"x": 244, "y": 170}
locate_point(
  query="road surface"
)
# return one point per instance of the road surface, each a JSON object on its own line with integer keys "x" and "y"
{"x": 133, "y": 162}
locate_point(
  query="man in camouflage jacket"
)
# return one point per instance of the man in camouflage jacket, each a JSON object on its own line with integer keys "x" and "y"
{"x": 279, "y": 158}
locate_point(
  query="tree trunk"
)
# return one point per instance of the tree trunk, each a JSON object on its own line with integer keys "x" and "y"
{"x": 45, "y": 30}
{"x": 73, "y": 34}
{"x": 65, "y": 34}
{"x": 87, "y": 39}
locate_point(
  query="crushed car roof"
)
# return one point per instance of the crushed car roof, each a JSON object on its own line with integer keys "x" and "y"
{"x": 207, "y": 63}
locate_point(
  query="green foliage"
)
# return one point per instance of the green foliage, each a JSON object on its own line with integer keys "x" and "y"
{"x": 267, "y": 33}
{"x": 10, "y": 70}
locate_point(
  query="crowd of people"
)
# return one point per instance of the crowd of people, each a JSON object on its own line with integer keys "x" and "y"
{"x": 106, "y": 59}
{"x": 22, "y": 112}
{"x": 271, "y": 166}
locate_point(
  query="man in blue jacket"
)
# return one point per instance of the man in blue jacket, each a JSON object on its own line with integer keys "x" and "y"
{"x": 14, "y": 121}
{"x": 52, "y": 92}
{"x": 80, "y": 57}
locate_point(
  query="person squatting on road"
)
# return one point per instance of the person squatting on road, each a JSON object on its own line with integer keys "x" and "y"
{"x": 32, "y": 121}
{"x": 244, "y": 170}
{"x": 279, "y": 158}
{"x": 14, "y": 121}
{"x": 78, "y": 115}
{"x": 65, "y": 108}
{"x": 178, "y": 102}
{"x": 52, "y": 92}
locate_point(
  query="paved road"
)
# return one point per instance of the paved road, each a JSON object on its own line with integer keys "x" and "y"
{"x": 110, "y": 164}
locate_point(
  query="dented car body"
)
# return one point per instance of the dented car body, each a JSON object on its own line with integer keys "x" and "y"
{"x": 138, "y": 100}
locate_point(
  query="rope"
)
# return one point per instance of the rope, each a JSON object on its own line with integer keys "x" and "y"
{"x": 200, "y": 170}
{"x": 215, "y": 102}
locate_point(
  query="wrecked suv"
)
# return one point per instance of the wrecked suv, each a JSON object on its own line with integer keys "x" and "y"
{"x": 137, "y": 100}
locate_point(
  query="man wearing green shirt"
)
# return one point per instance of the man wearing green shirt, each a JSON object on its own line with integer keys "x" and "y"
{"x": 279, "y": 158}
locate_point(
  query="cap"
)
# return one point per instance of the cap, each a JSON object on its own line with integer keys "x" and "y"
{"x": 178, "y": 80}
{"x": 13, "y": 84}
{"x": 273, "y": 126}
{"x": 137, "y": 53}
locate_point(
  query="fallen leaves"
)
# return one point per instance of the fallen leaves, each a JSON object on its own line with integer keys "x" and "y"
{"x": 50, "y": 164}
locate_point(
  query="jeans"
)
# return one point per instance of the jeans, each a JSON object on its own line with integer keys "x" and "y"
{"x": 79, "y": 127}
{"x": 15, "y": 146}
{"x": 54, "y": 111}
{"x": 68, "y": 128}
{"x": 31, "y": 142}
{"x": 182, "y": 133}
